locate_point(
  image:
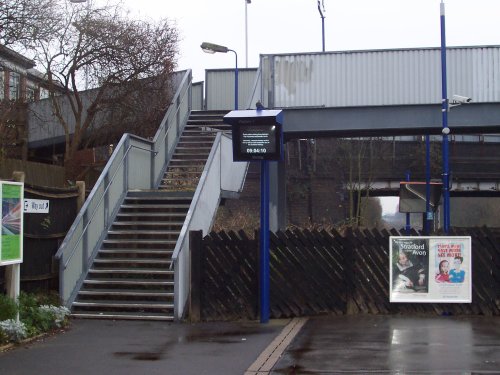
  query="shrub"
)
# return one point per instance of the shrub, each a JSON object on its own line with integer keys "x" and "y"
{"x": 35, "y": 319}
{"x": 8, "y": 308}
{"x": 13, "y": 331}
{"x": 59, "y": 314}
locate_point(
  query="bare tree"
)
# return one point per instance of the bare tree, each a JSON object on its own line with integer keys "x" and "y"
{"x": 98, "y": 61}
{"x": 24, "y": 21}
{"x": 8, "y": 131}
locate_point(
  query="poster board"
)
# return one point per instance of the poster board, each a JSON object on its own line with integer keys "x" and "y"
{"x": 430, "y": 269}
{"x": 11, "y": 228}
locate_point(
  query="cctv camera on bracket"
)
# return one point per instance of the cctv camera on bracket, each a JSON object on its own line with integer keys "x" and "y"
{"x": 459, "y": 100}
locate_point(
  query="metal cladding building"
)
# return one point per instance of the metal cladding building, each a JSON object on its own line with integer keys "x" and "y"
{"x": 326, "y": 93}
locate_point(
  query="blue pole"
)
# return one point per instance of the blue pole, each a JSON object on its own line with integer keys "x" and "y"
{"x": 446, "y": 130}
{"x": 235, "y": 81}
{"x": 264, "y": 242}
{"x": 408, "y": 225}
{"x": 428, "y": 213}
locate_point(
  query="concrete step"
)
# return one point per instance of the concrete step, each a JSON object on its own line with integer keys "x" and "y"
{"x": 132, "y": 262}
{"x": 135, "y": 253}
{"x": 122, "y": 293}
{"x": 131, "y": 272}
{"x": 123, "y": 316}
{"x": 129, "y": 305}
{"x": 129, "y": 283}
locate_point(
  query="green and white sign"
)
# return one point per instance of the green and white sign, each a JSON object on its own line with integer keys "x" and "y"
{"x": 11, "y": 230}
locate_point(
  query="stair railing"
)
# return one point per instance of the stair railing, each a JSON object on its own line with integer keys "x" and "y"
{"x": 220, "y": 175}
{"x": 136, "y": 163}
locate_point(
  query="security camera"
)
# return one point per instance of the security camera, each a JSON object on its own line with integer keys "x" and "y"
{"x": 459, "y": 99}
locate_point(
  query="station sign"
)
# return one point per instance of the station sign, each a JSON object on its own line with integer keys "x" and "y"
{"x": 36, "y": 206}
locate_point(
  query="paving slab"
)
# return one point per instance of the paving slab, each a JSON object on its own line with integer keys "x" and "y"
{"x": 140, "y": 347}
{"x": 367, "y": 344}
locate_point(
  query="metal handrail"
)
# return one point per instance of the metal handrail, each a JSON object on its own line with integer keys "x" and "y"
{"x": 72, "y": 243}
{"x": 195, "y": 200}
{"x": 84, "y": 230}
{"x": 258, "y": 77}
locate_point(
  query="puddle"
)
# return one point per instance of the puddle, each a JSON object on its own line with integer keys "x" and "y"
{"x": 137, "y": 356}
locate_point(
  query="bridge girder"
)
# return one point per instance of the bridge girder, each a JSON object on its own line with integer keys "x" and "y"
{"x": 373, "y": 121}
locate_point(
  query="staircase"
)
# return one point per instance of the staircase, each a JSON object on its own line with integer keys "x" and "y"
{"x": 190, "y": 155}
{"x": 130, "y": 277}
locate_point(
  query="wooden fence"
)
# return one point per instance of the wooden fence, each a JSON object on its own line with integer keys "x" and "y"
{"x": 43, "y": 233}
{"x": 315, "y": 272}
{"x": 39, "y": 174}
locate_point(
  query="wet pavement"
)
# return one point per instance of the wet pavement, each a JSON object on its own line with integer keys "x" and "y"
{"x": 101, "y": 347}
{"x": 366, "y": 344}
{"x": 361, "y": 344}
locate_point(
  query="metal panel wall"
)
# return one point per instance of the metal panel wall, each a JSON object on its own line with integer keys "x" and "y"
{"x": 197, "y": 96}
{"x": 220, "y": 88}
{"x": 379, "y": 77}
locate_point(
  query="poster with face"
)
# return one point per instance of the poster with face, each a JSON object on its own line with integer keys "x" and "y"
{"x": 430, "y": 269}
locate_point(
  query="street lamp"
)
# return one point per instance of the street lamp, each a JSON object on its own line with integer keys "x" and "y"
{"x": 320, "y": 3}
{"x": 213, "y": 48}
{"x": 246, "y": 31}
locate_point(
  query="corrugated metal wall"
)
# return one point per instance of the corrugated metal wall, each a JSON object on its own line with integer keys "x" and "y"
{"x": 197, "y": 96}
{"x": 44, "y": 126}
{"x": 220, "y": 88}
{"x": 379, "y": 77}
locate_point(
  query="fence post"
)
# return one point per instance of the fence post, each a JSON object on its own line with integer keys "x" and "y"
{"x": 195, "y": 245}
{"x": 13, "y": 272}
{"x": 349, "y": 269}
{"x": 80, "y": 200}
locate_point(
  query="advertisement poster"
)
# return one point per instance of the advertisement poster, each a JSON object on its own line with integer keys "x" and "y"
{"x": 430, "y": 269}
{"x": 11, "y": 230}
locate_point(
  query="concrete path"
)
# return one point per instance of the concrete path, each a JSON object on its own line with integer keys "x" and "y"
{"x": 100, "y": 347}
{"x": 362, "y": 344}
{"x": 366, "y": 344}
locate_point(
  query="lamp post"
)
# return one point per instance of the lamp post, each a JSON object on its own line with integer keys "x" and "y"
{"x": 246, "y": 31}
{"x": 322, "y": 21}
{"x": 445, "y": 130}
{"x": 213, "y": 48}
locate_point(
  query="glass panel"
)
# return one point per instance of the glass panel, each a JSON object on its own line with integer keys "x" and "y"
{"x": 14, "y": 86}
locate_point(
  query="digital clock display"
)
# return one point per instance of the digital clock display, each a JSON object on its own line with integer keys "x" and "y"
{"x": 256, "y": 135}
{"x": 258, "y": 139}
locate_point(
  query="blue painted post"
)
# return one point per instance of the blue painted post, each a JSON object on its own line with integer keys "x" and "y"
{"x": 264, "y": 242}
{"x": 408, "y": 225}
{"x": 235, "y": 81}
{"x": 428, "y": 213}
{"x": 446, "y": 130}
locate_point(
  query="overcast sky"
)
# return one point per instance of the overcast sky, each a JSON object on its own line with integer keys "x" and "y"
{"x": 284, "y": 26}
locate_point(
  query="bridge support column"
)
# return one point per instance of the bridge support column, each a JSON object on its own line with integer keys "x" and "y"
{"x": 277, "y": 196}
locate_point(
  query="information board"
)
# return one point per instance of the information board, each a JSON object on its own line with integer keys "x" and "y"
{"x": 11, "y": 230}
{"x": 430, "y": 269}
{"x": 258, "y": 139}
{"x": 257, "y": 135}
